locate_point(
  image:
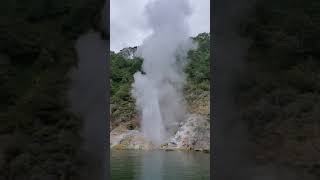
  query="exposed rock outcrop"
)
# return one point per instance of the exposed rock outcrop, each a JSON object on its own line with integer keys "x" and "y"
{"x": 129, "y": 52}
{"x": 122, "y": 138}
{"x": 192, "y": 134}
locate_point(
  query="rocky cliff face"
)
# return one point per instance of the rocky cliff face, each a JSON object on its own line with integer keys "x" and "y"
{"x": 192, "y": 134}
{"x": 129, "y": 52}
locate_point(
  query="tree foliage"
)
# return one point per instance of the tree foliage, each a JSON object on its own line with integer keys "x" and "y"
{"x": 122, "y": 70}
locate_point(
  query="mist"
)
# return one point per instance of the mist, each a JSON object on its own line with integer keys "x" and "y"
{"x": 158, "y": 89}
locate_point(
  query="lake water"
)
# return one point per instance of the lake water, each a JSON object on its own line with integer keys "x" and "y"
{"x": 159, "y": 165}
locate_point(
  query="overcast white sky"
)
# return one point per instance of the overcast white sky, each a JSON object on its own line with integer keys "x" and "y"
{"x": 128, "y": 25}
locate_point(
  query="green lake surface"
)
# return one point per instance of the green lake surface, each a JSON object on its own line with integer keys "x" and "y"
{"x": 159, "y": 165}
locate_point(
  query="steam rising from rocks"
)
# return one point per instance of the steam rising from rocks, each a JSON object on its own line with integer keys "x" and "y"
{"x": 158, "y": 89}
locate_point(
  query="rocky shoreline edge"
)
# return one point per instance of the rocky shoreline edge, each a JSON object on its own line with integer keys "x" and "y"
{"x": 193, "y": 134}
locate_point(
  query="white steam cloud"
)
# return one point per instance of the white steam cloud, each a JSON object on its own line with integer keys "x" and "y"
{"x": 158, "y": 90}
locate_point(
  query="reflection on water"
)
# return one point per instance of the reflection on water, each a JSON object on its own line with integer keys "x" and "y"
{"x": 159, "y": 165}
{"x": 152, "y": 166}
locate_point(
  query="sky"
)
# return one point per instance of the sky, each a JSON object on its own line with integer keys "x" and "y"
{"x": 128, "y": 26}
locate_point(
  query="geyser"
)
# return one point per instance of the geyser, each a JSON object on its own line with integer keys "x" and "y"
{"x": 158, "y": 90}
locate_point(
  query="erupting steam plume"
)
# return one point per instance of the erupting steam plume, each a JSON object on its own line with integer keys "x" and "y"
{"x": 158, "y": 90}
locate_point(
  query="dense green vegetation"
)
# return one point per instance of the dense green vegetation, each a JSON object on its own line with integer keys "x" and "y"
{"x": 121, "y": 79}
{"x": 122, "y": 70}
{"x": 198, "y": 70}
{"x": 39, "y": 137}
{"x": 279, "y": 95}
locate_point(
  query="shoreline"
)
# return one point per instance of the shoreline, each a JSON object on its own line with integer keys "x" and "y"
{"x": 207, "y": 151}
{"x": 165, "y": 150}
